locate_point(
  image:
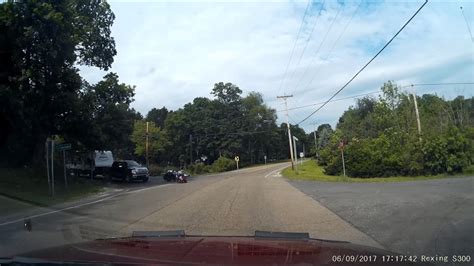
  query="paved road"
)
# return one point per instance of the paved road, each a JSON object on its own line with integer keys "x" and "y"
{"x": 432, "y": 217}
{"x": 232, "y": 203}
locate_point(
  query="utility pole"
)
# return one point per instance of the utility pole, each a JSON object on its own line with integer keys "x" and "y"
{"x": 341, "y": 147}
{"x": 191, "y": 148}
{"x": 417, "y": 113}
{"x": 52, "y": 167}
{"x": 284, "y": 97}
{"x": 315, "y": 142}
{"x": 47, "y": 164}
{"x": 295, "y": 139}
{"x": 146, "y": 147}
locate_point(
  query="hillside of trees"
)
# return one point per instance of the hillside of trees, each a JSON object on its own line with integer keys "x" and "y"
{"x": 209, "y": 128}
{"x": 42, "y": 95}
{"x": 380, "y": 136}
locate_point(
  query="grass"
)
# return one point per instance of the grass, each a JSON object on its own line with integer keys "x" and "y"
{"x": 29, "y": 186}
{"x": 309, "y": 170}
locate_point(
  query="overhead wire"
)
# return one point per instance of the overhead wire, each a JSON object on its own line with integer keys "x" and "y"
{"x": 319, "y": 48}
{"x": 370, "y": 61}
{"x": 467, "y": 24}
{"x": 308, "y": 39}
{"x": 333, "y": 46}
{"x": 294, "y": 45}
{"x": 374, "y": 92}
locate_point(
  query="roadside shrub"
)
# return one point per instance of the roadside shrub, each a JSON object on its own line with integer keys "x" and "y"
{"x": 155, "y": 170}
{"x": 449, "y": 153}
{"x": 199, "y": 168}
{"x": 223, "y": 164}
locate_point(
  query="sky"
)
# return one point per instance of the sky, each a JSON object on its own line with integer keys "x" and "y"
{"x": 176, "y": 51}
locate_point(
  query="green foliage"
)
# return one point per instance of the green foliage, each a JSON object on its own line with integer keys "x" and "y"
{"x": 199, "y": 168}
{"x": 41, "y": 44}
{"x": 448, "y": 153}
{"x": 157, "y": 140}
{"x": 157, "y": 116}
{"x": 156, "y": 170}
{"x": 223, "y": 164}
{"x": 382, "y": 138}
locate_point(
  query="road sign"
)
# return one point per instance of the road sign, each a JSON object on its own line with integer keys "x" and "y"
{"x": 301, "y": 155}
{"x": 236, "y": 158}
{"x": 63, "y": 146}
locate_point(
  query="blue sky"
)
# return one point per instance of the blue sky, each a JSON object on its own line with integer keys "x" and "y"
{"x": 175, "y": 51}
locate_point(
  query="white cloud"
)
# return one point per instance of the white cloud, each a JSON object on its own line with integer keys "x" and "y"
{"x": 174, "y": 52}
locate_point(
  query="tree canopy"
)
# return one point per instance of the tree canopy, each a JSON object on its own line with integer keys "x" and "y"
{"x": 381, "y": 136}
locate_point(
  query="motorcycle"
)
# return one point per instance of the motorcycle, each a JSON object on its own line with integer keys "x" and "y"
{"x": 170, "y": 175}
{"x": 181, "y": 177}
{"x": 177, "y": 176}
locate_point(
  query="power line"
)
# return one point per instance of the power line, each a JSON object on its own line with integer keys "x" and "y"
{"x": 467, "y": 24}
{"x": 294, "y": 45}
{"x": 307, "y": 40}
{"x": 374, "y": 92}
{"x": 334, "y": 45}
{"x": 319, "y": 48}
{"x": 370, "y": 61}
{"x": 439, "y": 84}
{"x": 335, "y": 100}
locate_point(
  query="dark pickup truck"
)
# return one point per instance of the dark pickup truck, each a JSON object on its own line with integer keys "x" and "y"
{"x": 128, "y": 170}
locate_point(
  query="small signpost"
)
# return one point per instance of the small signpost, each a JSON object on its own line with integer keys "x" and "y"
{"x": 341, "y": 147}
{"x": 64, "y": 147}
{"x": 265, "y": 158}
{"x": 237, "y": 161}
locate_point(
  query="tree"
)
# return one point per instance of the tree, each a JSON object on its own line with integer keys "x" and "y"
{"x": 157, "y": 116}
{"x": 157, "y": 140}
{"x": 40, "y": 45}
{"x": 226, "y": 93}
{"x": 382, "y": 136}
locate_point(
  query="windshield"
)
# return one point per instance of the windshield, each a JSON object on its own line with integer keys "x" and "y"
{"x": 346, "y": 120}
{"x": 132, "y": 163}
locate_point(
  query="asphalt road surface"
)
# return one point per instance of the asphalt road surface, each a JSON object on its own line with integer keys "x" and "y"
{"x": 232, "y": 203}
{"x": 432, "y": 217}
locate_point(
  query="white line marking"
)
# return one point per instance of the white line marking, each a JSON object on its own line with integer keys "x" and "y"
{"x": 60, "y": 210}
{"x": 277, "y": 170}
{"x": 147, "y": 188}
{"x": 78, "y": 206}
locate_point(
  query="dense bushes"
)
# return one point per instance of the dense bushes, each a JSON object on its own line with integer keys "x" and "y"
{"x": 223, "y": 164}
{"x": 220, "y": 165}
{"x": 381, "y": 137}
{"x": 390, "y": 155}
{"x": 199, "y": 168}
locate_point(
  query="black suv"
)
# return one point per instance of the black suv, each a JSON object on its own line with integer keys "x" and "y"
{"x": 128, "y": 171}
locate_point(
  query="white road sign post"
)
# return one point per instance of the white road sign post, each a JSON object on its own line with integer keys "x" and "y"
{"x": 265, "y": 158}
{"x": 237, "y": 161}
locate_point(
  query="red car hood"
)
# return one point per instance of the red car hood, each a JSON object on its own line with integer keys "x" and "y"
{"x": 215, "y": 250}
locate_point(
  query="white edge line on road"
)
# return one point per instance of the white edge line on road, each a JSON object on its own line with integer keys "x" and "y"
{"x": 143, "y": 189}
{"x": 60, "y": 210}
{"x": 274, "y": 171}
{"x": 78, "y": 206}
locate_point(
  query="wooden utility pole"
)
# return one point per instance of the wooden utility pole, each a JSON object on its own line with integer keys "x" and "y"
{"x": 190, "y": 149}
{"x": 315, "y": 142}
{"x": 418, "y": 123}
{"x": 146, "y": 147}
{"x": 284, "y": 97}
{"x": 341, "y": 147}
